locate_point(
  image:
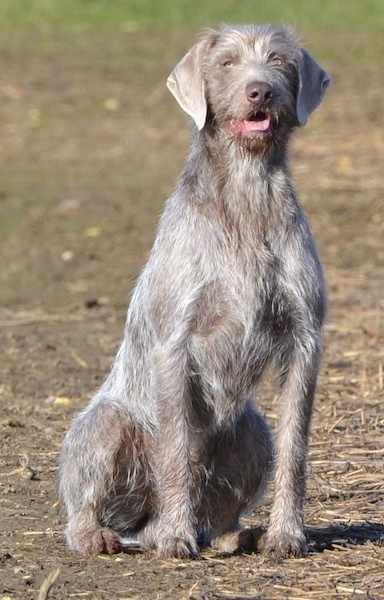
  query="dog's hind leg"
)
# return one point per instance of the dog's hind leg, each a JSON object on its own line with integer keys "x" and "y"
{"x": 99, "y": 447}
{"x": 238, "y": 473}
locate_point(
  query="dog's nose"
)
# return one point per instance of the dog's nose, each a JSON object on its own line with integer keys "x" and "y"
{"x": 259, "y": 93}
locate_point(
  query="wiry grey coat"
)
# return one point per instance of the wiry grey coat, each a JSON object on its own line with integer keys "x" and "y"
{"x": 172, "y": 450}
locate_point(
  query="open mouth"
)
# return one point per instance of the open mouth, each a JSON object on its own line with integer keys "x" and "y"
{"x": 260, "y": 123}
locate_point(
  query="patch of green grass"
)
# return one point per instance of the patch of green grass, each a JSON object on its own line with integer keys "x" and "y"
{"x": 367, "y": 15}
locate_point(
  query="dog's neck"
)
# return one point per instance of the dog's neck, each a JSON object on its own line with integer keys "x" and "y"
{"x": 253, "y": 185}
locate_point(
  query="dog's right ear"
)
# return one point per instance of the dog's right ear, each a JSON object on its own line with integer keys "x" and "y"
{"x": 186, "y": 83}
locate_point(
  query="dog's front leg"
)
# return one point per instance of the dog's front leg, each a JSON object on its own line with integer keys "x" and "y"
{"x": 285, "y": 536}
{"x": 176, "y": 529}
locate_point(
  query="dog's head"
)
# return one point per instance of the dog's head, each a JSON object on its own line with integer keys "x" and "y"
{"x": 248, "y": 82}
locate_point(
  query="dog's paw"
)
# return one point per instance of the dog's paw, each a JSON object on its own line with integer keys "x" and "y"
{"x": 244, "y": 540}
{"x": 284, "y": 545}
{"x": 175, "y": 547}
{"x": 96, "y": 541}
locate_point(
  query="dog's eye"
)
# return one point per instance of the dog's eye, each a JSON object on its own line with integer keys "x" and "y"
{"x": 228, "y": 62}
{"x": 275, "y": 60}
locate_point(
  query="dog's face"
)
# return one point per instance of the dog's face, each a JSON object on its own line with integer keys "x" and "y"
{"x": 249, "y": 83}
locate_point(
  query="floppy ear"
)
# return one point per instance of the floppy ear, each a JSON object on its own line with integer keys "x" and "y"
{"x": 186, "y": 83}
{"x": 313, "y": 83}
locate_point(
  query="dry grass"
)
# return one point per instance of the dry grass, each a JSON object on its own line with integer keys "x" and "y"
{"x": 52, "y": 364}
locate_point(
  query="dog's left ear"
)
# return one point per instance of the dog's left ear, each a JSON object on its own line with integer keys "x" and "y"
{"x": 313, "y": 83}
{"x": 186, "y": 83}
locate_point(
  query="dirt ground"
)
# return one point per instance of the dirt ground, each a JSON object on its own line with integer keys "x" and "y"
{"x": 85, "y": 170}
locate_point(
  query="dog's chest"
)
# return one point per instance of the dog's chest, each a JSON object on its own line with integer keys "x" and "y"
{"x": 245, "y": 316}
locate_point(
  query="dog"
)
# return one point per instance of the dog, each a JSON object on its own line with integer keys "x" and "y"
{"x": 172, "y": 450}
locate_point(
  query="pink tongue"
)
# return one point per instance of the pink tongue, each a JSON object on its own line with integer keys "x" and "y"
{"x": 244, "y": 126}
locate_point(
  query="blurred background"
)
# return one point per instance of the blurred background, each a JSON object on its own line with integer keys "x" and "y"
{"x": 91, "y": 140}
{"x": 91, "y": 143}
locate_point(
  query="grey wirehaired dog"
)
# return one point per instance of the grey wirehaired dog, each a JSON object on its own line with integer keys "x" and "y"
{"x": 171, "y": 450}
